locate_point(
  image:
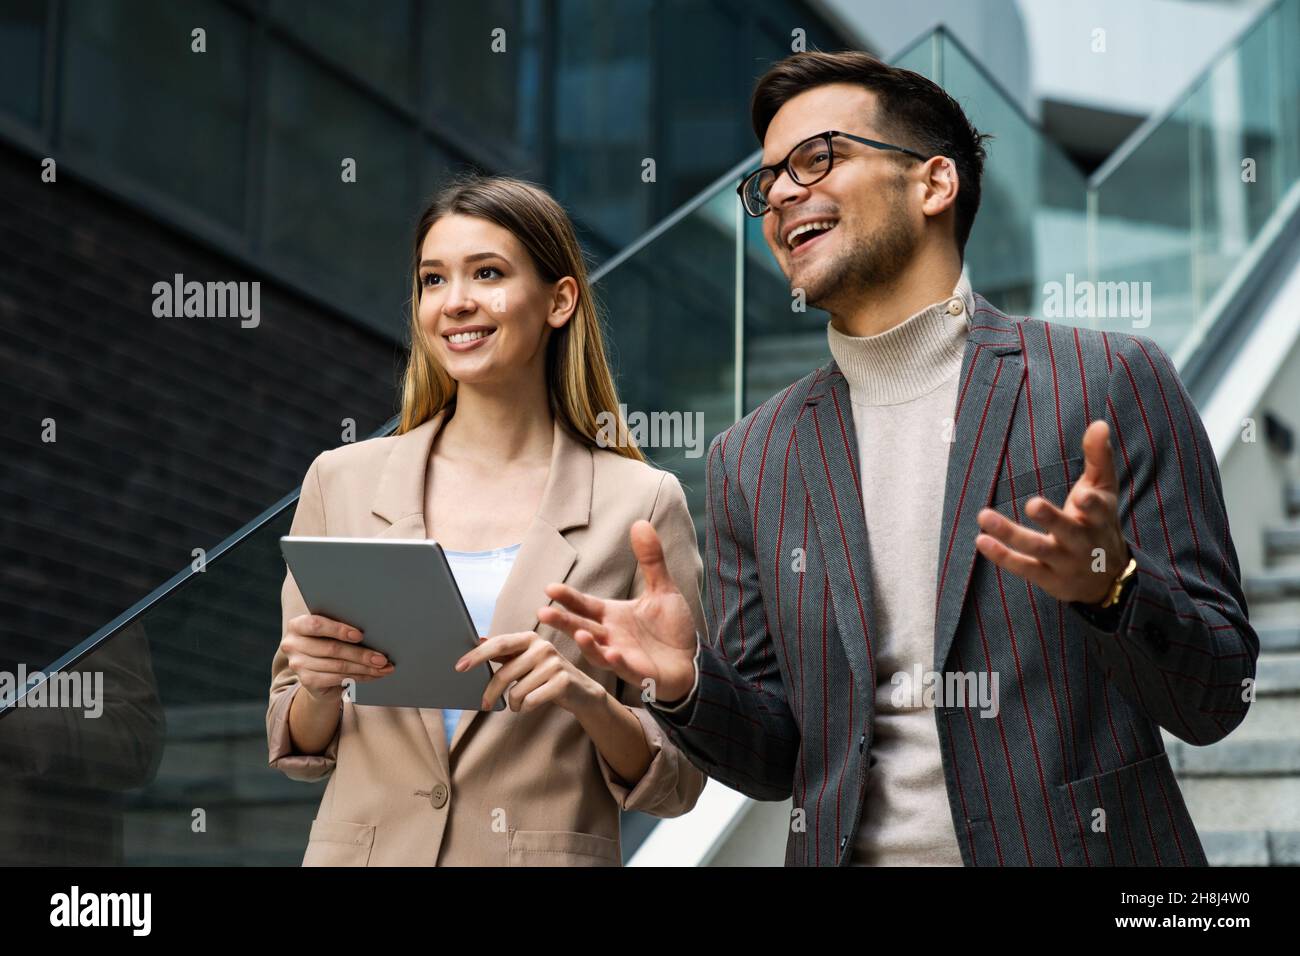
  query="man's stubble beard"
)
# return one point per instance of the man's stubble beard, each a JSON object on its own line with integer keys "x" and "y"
{"x": 872, "y": 262}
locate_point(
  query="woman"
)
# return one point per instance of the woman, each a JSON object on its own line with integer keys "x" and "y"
{"x": 499, "y": 458}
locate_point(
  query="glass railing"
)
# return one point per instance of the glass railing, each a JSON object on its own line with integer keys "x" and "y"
{"x": 1181, "y": 212}
{"x": 172, "y": 770}
{"x": 701, "y": 324}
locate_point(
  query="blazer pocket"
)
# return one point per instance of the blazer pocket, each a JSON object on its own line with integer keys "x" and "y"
{"x": 1133, "y": 815}
{"x": 562, "y": 848}
{"x": 339, "y": 843}
{"x": 1049, "y": 477}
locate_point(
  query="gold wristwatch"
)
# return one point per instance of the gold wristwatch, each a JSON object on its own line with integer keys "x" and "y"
{"x": 1117, "y": 588}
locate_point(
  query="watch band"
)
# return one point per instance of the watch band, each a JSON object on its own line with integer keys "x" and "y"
{"x": 1117, "y": 588}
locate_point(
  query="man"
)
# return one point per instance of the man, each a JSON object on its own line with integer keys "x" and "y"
{"x": 962, "y": 574}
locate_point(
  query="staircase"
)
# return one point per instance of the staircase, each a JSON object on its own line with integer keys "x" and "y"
{"x": 214, "y": 801}
{"x": 1244, "y": 792}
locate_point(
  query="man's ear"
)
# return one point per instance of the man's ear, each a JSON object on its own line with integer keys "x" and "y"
{"x": 564, "y": 300}
{"x": 941, "y": 185}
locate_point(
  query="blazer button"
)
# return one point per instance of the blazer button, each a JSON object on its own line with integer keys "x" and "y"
{"x": 1156, "y": 636}
{"x": 844, "y": 841}
{"x": 438, "y": 796}
{"x": 862, "y": 742}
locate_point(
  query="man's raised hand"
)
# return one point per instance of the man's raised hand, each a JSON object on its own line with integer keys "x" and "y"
{"x": 1062, "y": 559}
{"x": 650, "y": 637}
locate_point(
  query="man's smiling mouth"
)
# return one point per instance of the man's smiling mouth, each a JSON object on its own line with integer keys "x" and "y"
{"x": 807, "y": 231}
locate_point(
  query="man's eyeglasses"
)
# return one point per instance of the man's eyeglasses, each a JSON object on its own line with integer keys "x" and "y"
{"x": 809, "y": 162}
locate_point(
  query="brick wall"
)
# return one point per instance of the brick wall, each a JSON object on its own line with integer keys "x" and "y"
{"x": 171, "y": 433}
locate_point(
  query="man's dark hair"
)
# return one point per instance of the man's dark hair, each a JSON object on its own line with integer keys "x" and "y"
{"x": 913, "y": 112}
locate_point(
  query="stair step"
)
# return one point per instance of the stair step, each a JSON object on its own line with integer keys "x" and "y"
{"x": 1277, "y": 675}
{"x": 1242, "y": 803}
{"x": 1251, "y": 847}
{"x": 1279, "y": 585}
{"x": 219, "y": 721}
{"x": 202, "y": 772}
{"x": 1237, "y": 758}
{"x": 1278, "y": 637}
{"x": 1282, "y": 547}
{"x": 240, "y": 834}
{"x": 1283, "y": 537}
{"x": 1270, "y": 717}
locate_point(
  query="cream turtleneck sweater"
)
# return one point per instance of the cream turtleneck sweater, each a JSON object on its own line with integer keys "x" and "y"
{"x": 903, "y": 386}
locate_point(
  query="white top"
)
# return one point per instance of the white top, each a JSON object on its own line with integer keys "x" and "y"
{"x": 480, "y": 576}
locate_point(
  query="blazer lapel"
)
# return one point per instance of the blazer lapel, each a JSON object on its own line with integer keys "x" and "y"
{"x": 827, "y": 447}
{"x": 399, "y": 500}
{"x": 991, "y": 374}
{"x": 544, "y": 556}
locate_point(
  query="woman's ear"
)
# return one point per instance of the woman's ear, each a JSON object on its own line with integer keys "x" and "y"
{"x": 564, "y": 299}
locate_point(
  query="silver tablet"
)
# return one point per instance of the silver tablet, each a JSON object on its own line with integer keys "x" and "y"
{"x": 400, "y": 593}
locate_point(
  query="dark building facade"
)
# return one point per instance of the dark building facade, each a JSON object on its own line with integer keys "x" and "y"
{"x": 286, "y": 147}
{"x": 148, "y": 139}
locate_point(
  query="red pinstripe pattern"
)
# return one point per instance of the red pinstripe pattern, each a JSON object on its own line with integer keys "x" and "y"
{"x": 1105, "y": 690}
{"x": 848, "y": 560}
{"x": 1146, "y": 812}
{"x": 970, "y": 466}
{"x": 778, "y": 562}
{"x": 1046, "y": 659}
{"x": 740, "y": 592}
{"x": 1160, "y": 506}
{"x": 1083, "y": 378}
{"x": 771, "y": 710}
{"x": 848, "y": 752}
{"x": 1060, "y": 610}
{"x": 717, "y": 567}
{"x": 1096, "y": 756}
{"x": 1002, "y": 733}
{"x": 826, "y": 604}
{"x": 848, "y": 450}
{"x": 803, "y": 720}
{"x": 1128, "y": 470}
{"x": 961, "y": 793}
{"x": 1029, "y": 715}
{"x": 979, "y": 762}
{"x": 1029, "y": 588}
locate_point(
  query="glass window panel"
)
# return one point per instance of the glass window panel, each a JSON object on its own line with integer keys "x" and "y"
{"x": 494, "y": 97}
{"x": 706, "y": 130}
{"x": 348, "y": 239}
{"x": 437, "y": 166}
{"x": 22, "y": 42}
{"x": 185, "y": 136}
{"x": 603, "y": 116}
{"x": 372, "y": 40}
{"x": 669, "y": 311}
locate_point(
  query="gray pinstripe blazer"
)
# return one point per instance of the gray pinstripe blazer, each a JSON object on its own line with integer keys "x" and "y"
{"x": 787, "y": 676}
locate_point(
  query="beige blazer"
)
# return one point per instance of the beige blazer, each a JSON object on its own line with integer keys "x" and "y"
{"x": 514, "y": 789}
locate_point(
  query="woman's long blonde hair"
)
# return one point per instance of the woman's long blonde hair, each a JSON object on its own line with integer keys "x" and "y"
{"x": 577, "y": 375}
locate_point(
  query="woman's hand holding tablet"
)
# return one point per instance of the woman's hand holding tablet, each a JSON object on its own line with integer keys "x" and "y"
{"x": 324, "y": 653}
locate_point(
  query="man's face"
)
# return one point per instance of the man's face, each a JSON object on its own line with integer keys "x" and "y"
{"x": 875, "y": 231}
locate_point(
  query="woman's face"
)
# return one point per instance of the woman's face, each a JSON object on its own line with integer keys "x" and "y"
{"x": 485, "y": 311}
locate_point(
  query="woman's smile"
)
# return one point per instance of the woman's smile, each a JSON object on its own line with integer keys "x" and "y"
{"x": 466, "y": 338}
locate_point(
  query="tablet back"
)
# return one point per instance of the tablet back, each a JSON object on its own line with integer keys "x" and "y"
{"x": 400, "y": 593}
